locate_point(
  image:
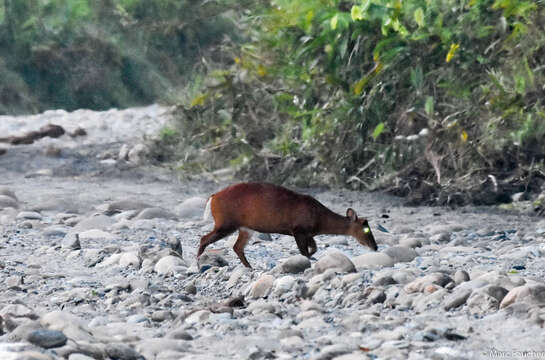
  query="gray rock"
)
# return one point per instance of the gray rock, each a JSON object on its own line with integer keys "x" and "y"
{"x": 155, "y": 213}
{"x": 97, "y": 221}
{"x": 124, "y": 205}
{"x": 295, "y": 264}
{"x": 55, "y": 230}
{"x": 460, "y": 276}
{"x": 137, "y": 154}
{"x": 7, "y": 192}
{"x": 150, "y": 348}
{"x": 283, "y": 285}
{"x": 401, "y": 253}
{"x": 212, "y": 259}
{"x": 77, "y": 356}
{"x": 14, "y": 281}
{"x": 71, "y": 241}
{"x": 384, "y": 280}
{"x": 373, "y": 260}
{"x": 332, "y": 351}
{"x": 457, "y": 298}
{"x": 169, "y": 265}
{"x": 411, "y": 243}
{"x": 8, "y": 202}
{"x": 486, "y": 299}
{"x": 29, "y": 215}
{"x": 191, "y": 208}
{"x": 130, "y": 258}
{"x": 122, "y": 352}
{"x": 96, "y": 235}
{"x": 47, "y": 338}
{"x": 262, "y": 286}
{"x": 123, "y": 152}
{"x": 440, "y": 238}
{"x": 334, "y": 259}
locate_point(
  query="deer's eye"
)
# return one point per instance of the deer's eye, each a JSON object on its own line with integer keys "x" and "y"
{"x": 366, "y": 229}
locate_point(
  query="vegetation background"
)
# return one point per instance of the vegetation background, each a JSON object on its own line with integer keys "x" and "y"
{"x": 440, "y": 101}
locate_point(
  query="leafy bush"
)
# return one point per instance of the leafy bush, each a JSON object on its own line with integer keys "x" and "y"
{"x": 414, "y": 94}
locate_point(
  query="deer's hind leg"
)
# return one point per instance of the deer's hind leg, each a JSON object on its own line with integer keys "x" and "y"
{"x": 244, "y": 236}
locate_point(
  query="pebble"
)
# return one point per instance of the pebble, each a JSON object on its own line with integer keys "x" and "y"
{"x": 373, "y": 260}
{"x": 29, "y": 215}
{"x": 295, "y": 264}
{"x": 262, "y": 286}
{"x": 47, "y": 338}
{"x": 8, "y": 202}
{"x": 334, "y": 259}
{"x": 169, "y": 265}
{"x": 191, "y": 208}
{"x": 401, "y": 253}
{"x": 456, "y": 299}
{"x": 460, "y": 276}
{"x": 532, "y": 294}
{"x": 122, "y": 352}
{"x": 155, "y": 213}
{"x": 130, "y": 258}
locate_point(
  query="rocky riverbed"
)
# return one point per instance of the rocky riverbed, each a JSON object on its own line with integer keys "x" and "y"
{"x": 97, "y": 261}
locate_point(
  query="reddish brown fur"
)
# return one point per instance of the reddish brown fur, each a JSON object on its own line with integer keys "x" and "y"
{"x": 269, "y": 208}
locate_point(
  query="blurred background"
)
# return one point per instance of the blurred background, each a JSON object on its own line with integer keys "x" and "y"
{"x": 439, "y": 101}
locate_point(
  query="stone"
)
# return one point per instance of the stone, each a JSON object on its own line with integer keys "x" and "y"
{"x": 69, "y": 324}
{"x": 420, "y": 284}
{"x": 332, "y": 351}
{"x": 532, "y": 294}
{"x": 123, "y": 152}
{"x": 170, "y": 265}
{"x": 283, "y": 285}
{"x": 460, "y": 276}
{"x": 401, "y": 253}
{"x": 211, "y": 259}
{"x": 124, "y": 205}
{"x": 373, "y": 260}
{"x": 384, "y": 280}
{"x": 29, "y": 215}
{"x": 411, "y": 243}
{"x": 95, "y": 234}
{"x": 440, "y": 238}
{"x": 137, "y": 154}
{"x": 457, "y": 298}
{"x": 71, "y": 241}
{"x": 8, "y": 202}
{"x": 130, "y": 259}
{"x": 55, "y": 230}
{"x": 261, "y": 287}
{"x": 191, "y": 208}
{"x": 486, "y": 299}
{"x": 122, "y": 352}
{"x": 8, "y": 192}
{"x": 295, "y": 264}
{"x": 47, "y": 338}
{"x": 334, "y": 259}
{"x": 97, "y": 221}
{"x": 155, "y": 213}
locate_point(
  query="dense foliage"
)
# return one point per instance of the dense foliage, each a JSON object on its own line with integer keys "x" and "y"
{"x": 99, "y": 54}
{"x": 412, "y": 95}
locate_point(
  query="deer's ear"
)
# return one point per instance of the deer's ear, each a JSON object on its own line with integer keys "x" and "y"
{"x": 351, "y": 214}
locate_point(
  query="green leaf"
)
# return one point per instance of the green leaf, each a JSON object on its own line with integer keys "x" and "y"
{"x": 333, "y": 22}
{"x": 378, "y": 130}
{"x": 419, "y": 17}
{"x": 428, "y": 106}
